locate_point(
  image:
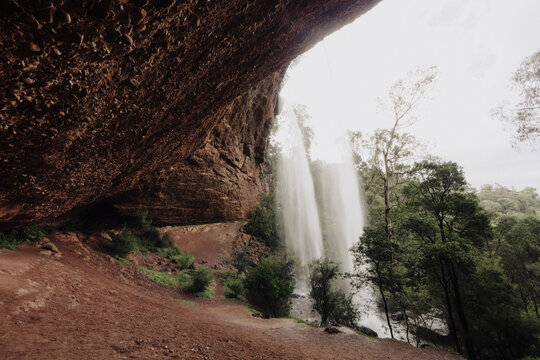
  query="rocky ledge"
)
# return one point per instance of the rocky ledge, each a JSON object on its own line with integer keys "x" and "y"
{"x": 164, "y": 105}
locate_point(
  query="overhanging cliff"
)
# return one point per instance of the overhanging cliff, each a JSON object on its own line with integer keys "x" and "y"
{"x": 163, "y": 105}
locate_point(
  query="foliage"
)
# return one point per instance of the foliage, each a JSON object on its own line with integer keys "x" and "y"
{"x": 303, "y": 118}
{"x": 519, "y": 254}
{"x": 343, "y": 310}
{"x": 143, "y": 237}
{"x": 263, "y": 222}
{"x": 525, "y": 115}
{"x": 269, "y": 285}
{"x": 150, "y": 237}
{"x": 334, "y": 306}
{"x": 499, "y": 329}
{"x": 322, "y": 273}
{"x": 160, "y": 277}
{"x": 373, "y": 260}
{"x": 233, "y": 284}
{"x": 201, "y": 278}
{"x": 243, "y": 258}
{"x": 500, "y": 201}
{"x": 121, "y": 244}
{"x": 10, "y": 239}
{"x": 184, "y": 260}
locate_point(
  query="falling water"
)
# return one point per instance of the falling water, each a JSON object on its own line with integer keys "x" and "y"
{"x": 342, "y": 214}
{"x": 296, "y": 196}
{"x": 342, "y": 223}
{"x": 338, "y": 208}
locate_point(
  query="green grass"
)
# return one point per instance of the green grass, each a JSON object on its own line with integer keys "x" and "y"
{"x": 160, "y": 277}
{"x": 206, "y": 293}
{"x": 250, "y": 308}
{"x": 300, "y": 321}
{"x": 188, "y": 302}
{"x": 181, "y": 280}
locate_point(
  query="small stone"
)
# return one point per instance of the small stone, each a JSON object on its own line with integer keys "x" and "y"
{"x": 29, "y": 81}
{"x": 129, "y": 39}
{"x": 34, "y": 47}
{"x": 56, "y": 51}
{"x": 134, "y": 83}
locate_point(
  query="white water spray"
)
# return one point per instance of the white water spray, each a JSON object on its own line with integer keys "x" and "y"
{"x": 340, "y": 208}
{"x": 296, "y": 196}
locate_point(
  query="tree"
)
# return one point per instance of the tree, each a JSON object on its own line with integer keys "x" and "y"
{"x": 389, "y": 149}
{"x": 519, "y": 255}
{"x": 373, "y": 261}
{"x": 333, "y": 305}
{"x": 447, "y": 225}
{"x": 303, "y": 118}
{"x": 525, "y": 115}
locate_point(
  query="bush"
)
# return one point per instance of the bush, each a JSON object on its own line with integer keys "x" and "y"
{"x": 150, "y": 236}
{"x": 10, "y": 239}
{"x": 243, "y": 258}
{"x": 200, "y": 279}
{"x": 270, "y": 284}
{"x": 184, "y": 261}
{"x": 233, "y": 283}
{"x": 121, "y": 244}
{"x": 263, "y": 222}
{"x": 333, "y": 306}
{"x": 343, "y": 312}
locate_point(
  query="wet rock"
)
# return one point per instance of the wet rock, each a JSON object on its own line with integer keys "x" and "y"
{"x": 368, "y": 331}
{"x": 332, "y": 330}
{"x": 50, "y": 246}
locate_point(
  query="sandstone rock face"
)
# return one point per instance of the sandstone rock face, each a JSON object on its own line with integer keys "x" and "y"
{"x": 160, "y": 104}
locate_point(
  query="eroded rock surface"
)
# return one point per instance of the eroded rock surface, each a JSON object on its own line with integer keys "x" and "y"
{"x": 140, "y": 101}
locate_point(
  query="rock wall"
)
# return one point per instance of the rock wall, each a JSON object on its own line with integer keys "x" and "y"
{"x": 141, "y": 102}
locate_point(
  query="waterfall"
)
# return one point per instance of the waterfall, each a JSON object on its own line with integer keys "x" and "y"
{"x": 342, "y": 214}
{"x": 295, "y": 194}
{"x": 333, "y": 203}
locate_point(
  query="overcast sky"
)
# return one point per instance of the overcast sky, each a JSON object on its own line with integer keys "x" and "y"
{"x": 476, "y": 46}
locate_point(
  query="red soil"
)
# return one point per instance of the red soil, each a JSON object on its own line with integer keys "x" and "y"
{"x": 79, "y": 304}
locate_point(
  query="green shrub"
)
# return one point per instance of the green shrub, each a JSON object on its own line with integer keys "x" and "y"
{"x": 160, "y": 277}
{"x": 344, "y": 312}
{"x": 270, "y": 284}
{"x": 233, "y": 284}
{"x": 263, "y": 222}
{"x": 200, "y": 279}
{"x": 33, "y": 233}
{"x": 10, "y": 239}
{"x": 121, "y": 244}
{"x": 334, "y": 306}
{"x": 184, "y": 260}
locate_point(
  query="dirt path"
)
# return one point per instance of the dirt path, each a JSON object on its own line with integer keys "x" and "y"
{"x": 81, "y": 305}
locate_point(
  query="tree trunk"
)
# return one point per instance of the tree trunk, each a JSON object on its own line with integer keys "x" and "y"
{"x": 469, "y": 344}
{"x": 386, "y": 312}
{"x": 387, "y": 223}
{"x": 453, "y": 329}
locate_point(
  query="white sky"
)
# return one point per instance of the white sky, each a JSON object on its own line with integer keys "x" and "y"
{"x": 475, "y": 44}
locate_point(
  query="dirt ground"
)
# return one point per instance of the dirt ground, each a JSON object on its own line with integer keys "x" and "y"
{"x": 79, "y": 304}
